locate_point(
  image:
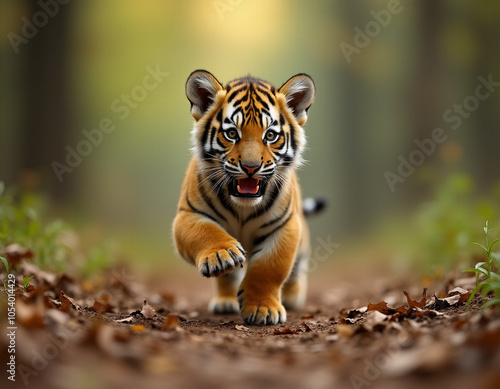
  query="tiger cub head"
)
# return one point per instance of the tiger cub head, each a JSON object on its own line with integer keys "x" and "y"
{"x": 248, "y": 136}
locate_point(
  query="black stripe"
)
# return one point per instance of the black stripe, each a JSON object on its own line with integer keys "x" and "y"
{"x": 277, "y": 219}
{"x": 259, "y": 99}
{"x": 242, "y": 100}
{"x": 234, "y": 93}
{"x": 286, "y": 161}
{"x": 292, "y": 137}
{"x": 236, "y": 111}
{"x": 208, "y": 201}
{"x": 220, "y": 143}
{"x": 219, "y": 116}
{"x": 204, "y": 138}
{"x": 262, "y": 238}
{"x": 195, "y": 210}
{"x": 237, "y": 83}
{"x": 269, "y": 97}
{"x": 272, "y": 198}
{"x": 224, "y": 200}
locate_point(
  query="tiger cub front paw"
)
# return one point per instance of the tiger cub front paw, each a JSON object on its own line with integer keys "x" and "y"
{"x": 261, "y": 311}
{"x": 216, "y": 262}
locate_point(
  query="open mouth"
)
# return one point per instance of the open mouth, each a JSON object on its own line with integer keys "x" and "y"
{"x": 246, "y": 187}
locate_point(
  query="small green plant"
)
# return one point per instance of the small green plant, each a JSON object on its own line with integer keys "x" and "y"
{"x": 487, "y": 277}
{"x": 26, "y": 281}
{"x": 5, "y": 263}
{"x": 21, "y": 222}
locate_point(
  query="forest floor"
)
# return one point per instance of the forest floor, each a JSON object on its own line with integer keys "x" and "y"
{"x": 354, "y": 332}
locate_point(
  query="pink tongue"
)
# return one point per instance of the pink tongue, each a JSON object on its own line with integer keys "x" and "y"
{"x": 248, "y": 185}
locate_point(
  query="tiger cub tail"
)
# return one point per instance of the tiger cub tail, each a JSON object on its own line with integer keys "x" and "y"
{"x": 312, "y": 206}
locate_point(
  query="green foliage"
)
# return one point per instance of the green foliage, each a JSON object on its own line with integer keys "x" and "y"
{"x": 26, "y": 281}
{"x": 447, "y": 224}
{"x": 21, "y": 222}
{"x": 5, "y": 263}
{"x": 487, "y": 277}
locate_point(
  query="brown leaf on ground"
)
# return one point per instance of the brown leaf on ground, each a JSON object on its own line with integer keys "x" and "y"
{"x": 239, "y": 327}
{"x": 101, "y": 306}
{"x": 30, "y": 315}
{"x": 416, "y": 304}
{"x": 284, "y": 331}
{"x": 348, "y": 320}
{"x": 345, "y": 330}
{"x": 306, "y": 327}
{"x": 28, "y": 269}
{"x": 307, "y": 316}
{"x": 147, "y": 310}
{"x": 383, "y": 308}
{"x": 138, "y": 328}
{"x": 463, "y": 293}
{"x": 446, "y": 302}
{"x": 15, "y": 252}
{"x": 67, "y": 302}
{"x": 171, "y": 322}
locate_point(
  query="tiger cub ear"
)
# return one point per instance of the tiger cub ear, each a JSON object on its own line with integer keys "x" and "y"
{"x": 201, "y": 88}
{"x": 299, "y": 93}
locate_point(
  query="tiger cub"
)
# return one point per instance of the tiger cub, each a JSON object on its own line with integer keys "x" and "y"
{"x": 240, "y": 204}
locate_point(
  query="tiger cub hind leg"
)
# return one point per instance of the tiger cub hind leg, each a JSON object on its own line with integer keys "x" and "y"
{"x": 294, "y": 291}
{"x": 225, "y": 300}
{"x": 293, "y": 294}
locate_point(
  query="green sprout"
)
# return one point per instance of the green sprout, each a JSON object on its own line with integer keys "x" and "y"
{"x": 5, "y": 263}
{"x": 26, "y": 281}
{"x": 487, "y": 277}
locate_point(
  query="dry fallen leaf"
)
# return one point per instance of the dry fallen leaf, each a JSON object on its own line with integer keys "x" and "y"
{"x": 125, "y": 320}
{"x": 138, "y": 328}
{"x": 447, "y": 301}
{"x": 15, "y": 252}
{"x": 463, "y": 293}
{"x": 101, "y": 306}
{"x": 306, "y": 327}
{"x": 239, "y": 327}
{"x": 67, "y": 302}
{"x": 285, "y": 331}
{"x": 345, "y": 330}
{"x": 171, "y": 322}
{"x": 414, "y": 304}
{"x": 308, "y": 316}
{"x": 147, "y": 310}
{"x": 383, "y": 308}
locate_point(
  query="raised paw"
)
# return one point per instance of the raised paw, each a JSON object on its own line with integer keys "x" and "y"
{"x": 266, "y": 311}
{"x": 223, "y": 305}
{"x": 222, "y": 261}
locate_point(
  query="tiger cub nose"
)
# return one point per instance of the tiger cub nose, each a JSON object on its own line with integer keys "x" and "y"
{"x": 250, "y": 168}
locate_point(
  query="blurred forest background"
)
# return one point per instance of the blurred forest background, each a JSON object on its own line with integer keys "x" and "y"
{"x": 72, "y": 71}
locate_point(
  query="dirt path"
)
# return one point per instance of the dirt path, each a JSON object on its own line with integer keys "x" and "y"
{"x": 101, "y": 334}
